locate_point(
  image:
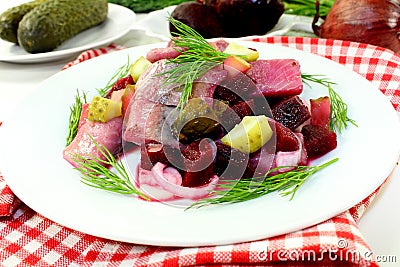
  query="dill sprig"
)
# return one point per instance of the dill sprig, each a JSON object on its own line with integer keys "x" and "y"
{"x": 234, "y": 191}
{"x": 107, "y": 174}
{"x": 197, "y": 57}
{"x": 121, "y": 72}
{"x": 339, "y": 120}
{"x": 316, "y": 78}
{"x": 74, "y": 116}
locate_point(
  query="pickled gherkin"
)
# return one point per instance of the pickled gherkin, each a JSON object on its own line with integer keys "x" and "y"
{"x": 10, "y": 19}
{"x": 103, "y": 109}
{"x": 50, "y": 24}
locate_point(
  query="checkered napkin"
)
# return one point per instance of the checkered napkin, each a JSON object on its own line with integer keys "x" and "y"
{"x": 27, "y": 238}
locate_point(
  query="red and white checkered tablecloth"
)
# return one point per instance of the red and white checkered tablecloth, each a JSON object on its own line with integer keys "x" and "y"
{"x": 29, "y": 239}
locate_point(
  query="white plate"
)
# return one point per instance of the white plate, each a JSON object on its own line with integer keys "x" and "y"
{"x": 119, "y": 21}
{"x": 155, "y": 24}
{"x": 31, "y": 162}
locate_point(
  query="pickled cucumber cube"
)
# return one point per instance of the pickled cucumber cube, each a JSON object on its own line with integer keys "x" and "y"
{"x": 138, "y": 67}
{"x": 103, "y": 109}
{"x": 250, "y": 134}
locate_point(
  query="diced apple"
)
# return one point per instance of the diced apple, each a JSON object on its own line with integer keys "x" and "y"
{"x": 103, "y": 109}
{"x": 250, "y": 134}
{"x": 237, "y": 63}
{"x": 116, "y": 95}
{"x": 138, "y": 67}
{"x": 238, "y": 50}
{"x": 127, "y": 97}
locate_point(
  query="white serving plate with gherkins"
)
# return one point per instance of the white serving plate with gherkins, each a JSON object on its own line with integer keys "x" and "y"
{"x": 119, "y": 21}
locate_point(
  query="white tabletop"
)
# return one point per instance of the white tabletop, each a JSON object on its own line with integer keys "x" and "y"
{"x": 379, "y": 225}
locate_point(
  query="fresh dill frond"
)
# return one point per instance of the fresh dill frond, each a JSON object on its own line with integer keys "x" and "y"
{"x": 121, "y": 72}
{"x": 107, "y": 174}
{"x": 339, "y": 120}
{"x": 196, "y": 58}
{"x": 316, "y": 78}
{"x": 74, "y": 116}
{"x": 287, "y": 183}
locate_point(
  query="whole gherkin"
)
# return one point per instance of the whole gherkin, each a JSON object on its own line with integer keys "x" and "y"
{"x": 50, "y": 24}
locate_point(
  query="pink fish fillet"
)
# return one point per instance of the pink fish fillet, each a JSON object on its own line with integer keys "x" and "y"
{"x": 277, "y": 77}
{"x": 108, "y": 134}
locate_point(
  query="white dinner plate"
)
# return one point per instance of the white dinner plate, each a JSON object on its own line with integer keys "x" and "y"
{"x": 119, "y": 21}
{"x": 31, "y": 161}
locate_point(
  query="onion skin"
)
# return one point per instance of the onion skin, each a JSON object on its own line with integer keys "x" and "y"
{"x": 375, "y": 22}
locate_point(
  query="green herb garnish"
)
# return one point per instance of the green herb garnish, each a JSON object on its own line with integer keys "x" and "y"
{"x": 197, "y": 57}
{"x": 339, "y": 118}
{"x": 316, "y": 78}
{"x": 307, "y": 7}
{"x": 234, "y": 191}
{"x": 74, "y": 116}
{"x": 107, "y": 174}
{"x": 121, "y": 72}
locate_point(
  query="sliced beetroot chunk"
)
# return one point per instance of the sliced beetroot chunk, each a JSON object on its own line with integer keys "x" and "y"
{"x": 320, "y": 111}
{"x": 291, "y": 112}
{"x": 277, "y": 77}
{"x": 230, "y": 163}
{"x": 285, "y": 139}
{"x": 318, "y": 140}
{"x": 153, "y": 152}
{"x": 198, "y": 163}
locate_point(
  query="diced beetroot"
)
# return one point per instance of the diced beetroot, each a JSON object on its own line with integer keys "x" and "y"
{"x": 320, "y": 111}
{"x": 291, "y": 112}
{"x": 237, "y": 87}
{"x": 230, "y": 163}
{"x": 318, "y": 140}
{"x": 243, "y": 109}
{"x": 227, "y": 95}
{"x": 119, "y": 85}
{"x": 277, "y": 77}
{"x": 232, "y": 116}
{"x": 285, "y": 138}
{"x": 199, "y": 163}
{"x": 153, "y": 152}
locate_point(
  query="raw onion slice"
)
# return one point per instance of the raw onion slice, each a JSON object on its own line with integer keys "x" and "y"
{"x": 163, "y": 176}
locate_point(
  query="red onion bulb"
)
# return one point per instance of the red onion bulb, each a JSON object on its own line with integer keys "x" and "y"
{"x": 375, "y": 22}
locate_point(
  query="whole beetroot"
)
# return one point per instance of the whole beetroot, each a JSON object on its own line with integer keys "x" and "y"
{"x": 247, "y": 17}
{"x": 229, "y": 18}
